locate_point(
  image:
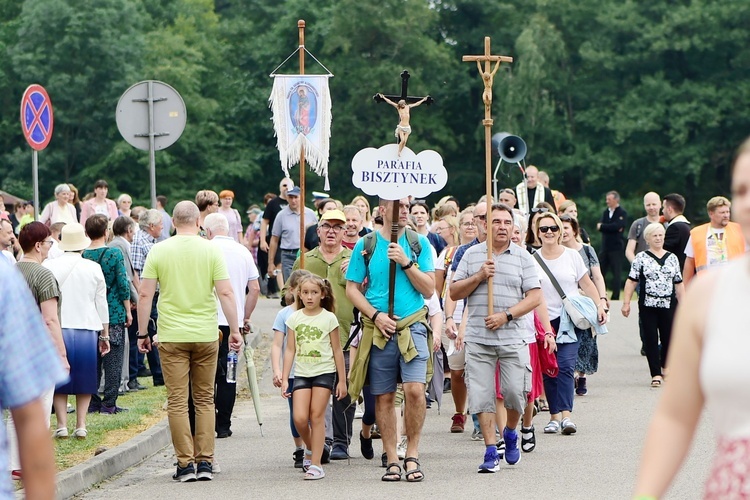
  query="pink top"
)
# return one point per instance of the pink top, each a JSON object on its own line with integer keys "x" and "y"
{"x": 88, "y": 209}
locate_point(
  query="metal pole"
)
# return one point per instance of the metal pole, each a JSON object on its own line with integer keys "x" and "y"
{"x": 302, "y": 206}
{"x": 35, "y": 180}
{"x": 151, "y": 143}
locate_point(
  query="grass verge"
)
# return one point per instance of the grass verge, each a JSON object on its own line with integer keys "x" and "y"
{"x": 108, "y": 431}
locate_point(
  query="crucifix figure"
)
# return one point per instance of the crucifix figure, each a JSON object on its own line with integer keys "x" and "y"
{"x": 488, "y": 77}
{"x": 403, "y": 104}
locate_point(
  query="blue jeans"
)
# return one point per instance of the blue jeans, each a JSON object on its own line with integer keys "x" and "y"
{"x": 560, "y": 389}
{"x": 387, "y": 366}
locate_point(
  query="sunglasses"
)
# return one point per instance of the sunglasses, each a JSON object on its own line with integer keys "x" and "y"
{"x": 541, "y": 210}
{"x": 481, "y": 217}
{"x": 544, "y": 229}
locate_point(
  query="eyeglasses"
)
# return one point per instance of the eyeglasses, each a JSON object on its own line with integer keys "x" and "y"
{"x": 481, "y": 217}
{"x": 468, "y": 224}
{"x": 439, "y": 229}
{"x": 507, "y": 191}
{"x": 541, "y": 210}
{"x": 328, "y": 227}
{"x": 544, "y": 229}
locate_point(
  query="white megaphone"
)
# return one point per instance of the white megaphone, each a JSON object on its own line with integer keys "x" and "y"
{"x": 510, "y": 148}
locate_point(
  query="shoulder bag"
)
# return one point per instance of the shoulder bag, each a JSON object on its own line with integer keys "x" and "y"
{"x": 578, "y": 319}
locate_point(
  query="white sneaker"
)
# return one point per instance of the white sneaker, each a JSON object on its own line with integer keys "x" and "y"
{"x": 359, "y": 412}
{"x": 401, "y": 448}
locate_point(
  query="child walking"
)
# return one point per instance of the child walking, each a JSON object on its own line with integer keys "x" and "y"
{"x": 277, "y": 354}
{"x": 314, "y": 347}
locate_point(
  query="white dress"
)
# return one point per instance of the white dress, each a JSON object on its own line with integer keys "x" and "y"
{"x": 725, "y": 381}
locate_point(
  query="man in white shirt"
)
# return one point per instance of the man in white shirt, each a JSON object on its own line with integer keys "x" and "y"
{"x": 243, "y": 274}
{"x": 6, "y": 240}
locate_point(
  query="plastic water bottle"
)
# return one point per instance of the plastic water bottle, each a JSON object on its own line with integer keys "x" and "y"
{"x": 232, "y": 367}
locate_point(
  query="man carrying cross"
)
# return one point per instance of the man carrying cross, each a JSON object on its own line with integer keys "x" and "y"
{"x": 403, "y": 129}
{"x": 393, "y": 349}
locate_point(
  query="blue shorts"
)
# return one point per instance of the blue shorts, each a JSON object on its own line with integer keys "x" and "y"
{"x": 387, "y": 366}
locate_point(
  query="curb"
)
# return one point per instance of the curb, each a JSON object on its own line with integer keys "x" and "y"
{"x": 83, "y": 476}
{"x": 112, "y": 462}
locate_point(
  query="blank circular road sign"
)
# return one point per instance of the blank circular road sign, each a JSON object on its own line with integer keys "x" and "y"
{"x": 36, "y": 117}
{"x": 170, "y": 115}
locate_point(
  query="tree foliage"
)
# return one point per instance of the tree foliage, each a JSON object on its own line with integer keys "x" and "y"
{"x": 608, "y": 94}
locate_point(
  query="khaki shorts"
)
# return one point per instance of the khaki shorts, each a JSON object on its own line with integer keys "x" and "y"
{"x": 457, "y": 360}
{"x": 515, "y": 376}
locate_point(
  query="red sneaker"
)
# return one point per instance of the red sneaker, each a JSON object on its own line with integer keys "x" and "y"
{"x": 459, "y": 420}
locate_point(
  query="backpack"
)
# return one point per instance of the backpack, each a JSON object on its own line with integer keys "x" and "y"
{"x": 371, "y": 239}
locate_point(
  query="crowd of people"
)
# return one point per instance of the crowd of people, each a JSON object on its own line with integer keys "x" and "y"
{"x": 512, "y": 334}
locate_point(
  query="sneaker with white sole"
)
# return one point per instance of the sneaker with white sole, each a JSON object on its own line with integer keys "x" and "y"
{"x": 205, "y": 471}
{"x": 512, "y": 453}
{"x": 185, "y": 474}
{"x": 476, "y": 435}
{"x": 491, "y": 462}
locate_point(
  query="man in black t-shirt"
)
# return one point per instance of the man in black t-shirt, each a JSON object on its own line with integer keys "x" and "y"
{"x": 269, "y": 216}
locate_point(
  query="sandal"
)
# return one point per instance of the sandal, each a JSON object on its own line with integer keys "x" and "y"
{"x": 656, "y": 382}
{"x": 553, "y": 427}
{"x": 543, "y": 405}
{"x": 410, "y": 473}
{"x": 391, "y": 476}
{"x": 314, "y": 472}
{"x": 307, "y": 461}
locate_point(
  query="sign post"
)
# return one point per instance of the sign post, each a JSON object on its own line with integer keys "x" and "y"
{"x": 37, "y": 124}
{"x": 138, "y": 124}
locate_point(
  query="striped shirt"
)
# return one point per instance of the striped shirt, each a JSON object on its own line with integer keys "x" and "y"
{"x": 515, "y": 275}
{"x": 42, "y": 283}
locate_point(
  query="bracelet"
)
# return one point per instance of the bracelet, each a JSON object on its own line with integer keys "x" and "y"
{"x": 549, "y": 333}
{"x": 375, "y": 315}
{"x": 138, "y": 336}
{"x": 407, "y": 266}
{"x": 103, "y": 339}
{"x": 603, "y": 298}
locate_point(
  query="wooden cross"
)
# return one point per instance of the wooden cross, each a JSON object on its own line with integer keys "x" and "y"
{"x": 488, "y": 77}
{"x": 404, "y": 92}
{"x": 410, "y": 101}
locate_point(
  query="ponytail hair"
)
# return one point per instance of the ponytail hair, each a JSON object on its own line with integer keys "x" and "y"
{"x": 327, "y": 302}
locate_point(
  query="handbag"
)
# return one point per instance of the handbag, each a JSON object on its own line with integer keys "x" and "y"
{"x": 578, "y": 319}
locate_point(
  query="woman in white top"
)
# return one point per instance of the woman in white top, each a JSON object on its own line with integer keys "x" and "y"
{"x": 708, "y": 365}
{"x": 85, "y": 325}
{"x": 567, "y": 266}
{"x": 59, "y": 210}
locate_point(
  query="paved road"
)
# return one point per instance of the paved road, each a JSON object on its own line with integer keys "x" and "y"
{"x": 599, "y": 462}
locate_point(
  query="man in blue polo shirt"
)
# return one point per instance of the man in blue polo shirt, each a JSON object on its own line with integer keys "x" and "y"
{"x": 398, "y": 347}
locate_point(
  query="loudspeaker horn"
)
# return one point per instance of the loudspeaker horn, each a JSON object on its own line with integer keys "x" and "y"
{"x": 509, "y": 147}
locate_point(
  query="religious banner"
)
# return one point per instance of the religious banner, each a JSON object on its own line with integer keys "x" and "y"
{"x": 301, "y": 106}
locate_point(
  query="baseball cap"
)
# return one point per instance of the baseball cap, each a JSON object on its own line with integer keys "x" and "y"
{"x": 337, "y": 215}
{"x": 293, "y": 192}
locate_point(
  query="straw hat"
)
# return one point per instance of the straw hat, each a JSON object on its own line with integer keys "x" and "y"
{"x": 73, "y": 238}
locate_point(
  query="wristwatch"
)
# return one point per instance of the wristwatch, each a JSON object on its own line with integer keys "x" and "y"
{"x": 509, "y": 316}
{"x": 139, "y": 336}
{"x": 407, "y": 266}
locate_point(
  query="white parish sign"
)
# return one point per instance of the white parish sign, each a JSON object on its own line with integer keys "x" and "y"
{"x": 382, "y": 172}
